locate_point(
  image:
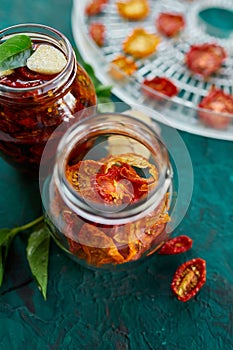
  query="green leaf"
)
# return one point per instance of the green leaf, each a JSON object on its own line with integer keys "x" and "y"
{"x": 15, "y": 51}
{"x": 38, "y": 256}
{"x": 103, "y": 90}
{"x": 6, "y": 237}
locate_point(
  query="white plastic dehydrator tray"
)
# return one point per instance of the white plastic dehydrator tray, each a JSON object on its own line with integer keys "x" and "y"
{"x": 180, "y": 111}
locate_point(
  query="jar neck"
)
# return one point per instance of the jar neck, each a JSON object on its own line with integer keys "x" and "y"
{"x": 46, "y": 35}
{"x": 112, "y": 124}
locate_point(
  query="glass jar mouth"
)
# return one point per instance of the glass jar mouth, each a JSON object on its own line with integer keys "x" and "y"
{"x": 46, "y": 34}
{"x": 112, "y": 123}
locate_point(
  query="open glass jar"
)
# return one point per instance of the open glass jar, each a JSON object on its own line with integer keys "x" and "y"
{"x": 107, "y": 202}
{"x": 33, "y": 105}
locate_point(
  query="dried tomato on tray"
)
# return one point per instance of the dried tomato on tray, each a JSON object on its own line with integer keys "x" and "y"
{"x": 170, "y": 24}
{"x": 189, "y": 278}
{"x": 122, "y": 66}
{"x": 134, "y": 10}
{"x": 176, "y": 245}
{"x": 205, "y": 59}
{"x": 159, "y": 84}
{"x": 219, "y": 103}
{"x": 94, "y": 7}
{"x": 97, "y": 33}
{"x": 140, "y": 43}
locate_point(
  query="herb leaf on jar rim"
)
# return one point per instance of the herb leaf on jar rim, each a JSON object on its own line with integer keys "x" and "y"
{"x": 15, "y": 51}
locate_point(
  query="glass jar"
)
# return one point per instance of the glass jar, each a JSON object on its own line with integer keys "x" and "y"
{"x": 107, "y": 201}
{"x": 29, "y": 115}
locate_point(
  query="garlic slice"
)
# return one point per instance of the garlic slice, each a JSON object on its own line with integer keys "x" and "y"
{"x": 47, "y": 60}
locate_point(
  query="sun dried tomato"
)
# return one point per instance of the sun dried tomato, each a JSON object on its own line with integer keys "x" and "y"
{"x": 205, "y": 59}
{"x": 170, "y": 24}
{"x": 133, "y": 10}
{"x": 176, "y": 245}
{"x": 140, "y": 43}
{"x": 159, "y": 84}
{"x": 189, "y": 278}
{"x": 97, "y": 33}
{"x": 95, "y": 7}
{"x": 219, "y": 102}
{"x": 97, "y": 246}
{"x": 121, "y": 66}
{"x": 120, "y": 184}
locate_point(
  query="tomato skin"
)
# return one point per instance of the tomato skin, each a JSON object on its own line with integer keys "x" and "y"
{"x": 97, "y": 33}
{"x": 161, "y": 85}
{"x": 205, "y": 59}
{"x": 219, "y": 102}
{"x": 189, "y": 278}
{"x": 176, "y": 245}
{"x": 95, "y": 7}
{"x": 170, "y": 24}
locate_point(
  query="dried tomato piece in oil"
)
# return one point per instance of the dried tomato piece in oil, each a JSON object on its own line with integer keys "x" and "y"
{"x": 98, "y": 247}
{"x": 140, "y": 43}
{"x": 219, "y": 102}
{"x": 205, "y": 59}
{"x": 133, "y": 10}
{"x": 176, "y": 245}
{"x": 189, "y": 278}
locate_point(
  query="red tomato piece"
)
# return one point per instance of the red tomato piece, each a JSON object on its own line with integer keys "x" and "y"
{"x": 161, "y": 85}
{"x": 205, "y": 59}
{"x": 95, "y": 7}
{"x": 189, "y": 278}
{"x": 219, "y": 102}
{"x": 176, "y": 245}
{"x": 97, "y": 33}
{"x": 170, "y": 24}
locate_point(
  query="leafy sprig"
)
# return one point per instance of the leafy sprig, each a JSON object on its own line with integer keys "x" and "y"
{"x": 37, "y": 250}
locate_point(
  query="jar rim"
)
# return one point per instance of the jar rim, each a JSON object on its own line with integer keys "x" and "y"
{"x": 101, "y": 215}
{"x": 60, "y": 77}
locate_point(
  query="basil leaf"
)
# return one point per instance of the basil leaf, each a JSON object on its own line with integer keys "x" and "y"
{"x": 38, "y": 256}
{"x": 15, "y": 51}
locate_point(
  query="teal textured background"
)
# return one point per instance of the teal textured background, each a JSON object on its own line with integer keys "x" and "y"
{"x": 133, "y": 310}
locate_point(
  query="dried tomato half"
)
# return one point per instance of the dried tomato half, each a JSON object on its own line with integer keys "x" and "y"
{"x": 189, "y": 278}
{"x": 97, "y": 33}
{"x": 133, "y": 10}
{"x": 176, "y": 245}
{"x": 121, "y": 66}
{"x": 140, "y": 43}
{"x": 205, "y": 59}
{"x": 170, "y": 24}
{"x": 95, "y": 7}
{"x": 161, "y": 85}
{"x": 121, "y": 184}
{"x": 219, "y": 102}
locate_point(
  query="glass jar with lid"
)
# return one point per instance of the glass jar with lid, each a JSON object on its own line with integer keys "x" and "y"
{"x": 33, "y": 104}
{"x": 107, "y": 201}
